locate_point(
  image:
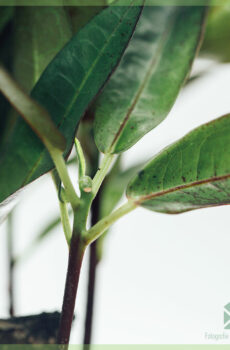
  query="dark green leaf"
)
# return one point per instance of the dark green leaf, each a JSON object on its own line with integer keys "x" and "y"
{"x": 35, "y": 115}
{"x": 144, "y": 87}
{"x": 65, "y": 89}
{"x": 39, "y": 33}
{"x": 192, "y": 173}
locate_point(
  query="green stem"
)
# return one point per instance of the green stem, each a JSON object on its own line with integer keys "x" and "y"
{"x": 65, "y": 221}
{"x": 101, "y": 173}
{"x": 81, "y": 159}
{"x": 63, "y": 209}
{"x": 97, "y": 230}
{"x": 64, "y": 176}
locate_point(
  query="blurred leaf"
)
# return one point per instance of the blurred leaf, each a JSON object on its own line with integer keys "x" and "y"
{"x": 39, "y": 238}
{"x": 81, "y": 15}
{"x": 65, "y": 89}
{"x": 114, "y": 187}
{"x": 144, "y": 87}
{"x": 6, "y": 60}
{"x": 111, "y": 192}
{"x": 217, "y": 36}
{"x": 6, "y": 14}
{"x": 39, "y": 34}
{"x": 192, "y": 173}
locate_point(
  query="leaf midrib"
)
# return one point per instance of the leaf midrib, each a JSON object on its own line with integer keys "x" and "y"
{"x": 148, "y": 75}
{"x": 178, "y": 188}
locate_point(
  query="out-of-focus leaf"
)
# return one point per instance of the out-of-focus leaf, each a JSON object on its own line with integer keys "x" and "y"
{"x": 47, "y": 231}
{"x": 144, "y": 87}
{"x": 81, "y": 15}
{"x": 6, "y": 60}
{"x": 111, "y": 192}
{"x": 39, "y": 34}
{"x": 6, "y": 14}
{"x": 193, "y": 173}
{"x": 66, "y": 89}
{"x": 217, "y": 36}
{"x": 114, "y": 187}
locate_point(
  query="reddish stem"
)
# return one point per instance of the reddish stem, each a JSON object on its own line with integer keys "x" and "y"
{"x": 76, "y": 254}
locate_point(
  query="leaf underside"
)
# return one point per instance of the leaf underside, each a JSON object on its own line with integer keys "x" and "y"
{"x": 144, "y": 87}
{"x": 65, "y": 89}
{"x": 193, "y": 173}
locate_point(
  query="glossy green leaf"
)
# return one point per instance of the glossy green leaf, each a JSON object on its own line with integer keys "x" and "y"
{"x": 192, "y": 173}
{"x": 66, "y": 89}
{"x": 144, "y": 87}
{"x": 217, "y": 34}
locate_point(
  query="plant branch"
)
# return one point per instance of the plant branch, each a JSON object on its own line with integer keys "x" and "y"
{"x": 92, "y": 273}
{"x": 97, "y": 230}
{"x": 92, "y": 269}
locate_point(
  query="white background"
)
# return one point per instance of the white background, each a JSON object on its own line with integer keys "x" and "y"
{"x": 163, "y": 279}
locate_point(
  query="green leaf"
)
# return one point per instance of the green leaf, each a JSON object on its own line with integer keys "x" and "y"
{"x": 65, "y": 90}
{"x": 192, "y": 173}
{"x": 39, "y": 34}
{"x": 144, "y": 87}
{"x": 217, "y": 34}
{"x": 35, "y": 115}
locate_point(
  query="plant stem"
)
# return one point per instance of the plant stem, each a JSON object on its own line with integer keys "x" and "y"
{"x": 101, "y": 173}
{"x": 93, "y": 262}
{"x": 65, "y": 221}
{"x": 97, "y": 230}
{"x": 10, "y": 264}
{"x": 76, "y": 254}
{"x": 64, "y": 176}
{"x": 63, "y": 209}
